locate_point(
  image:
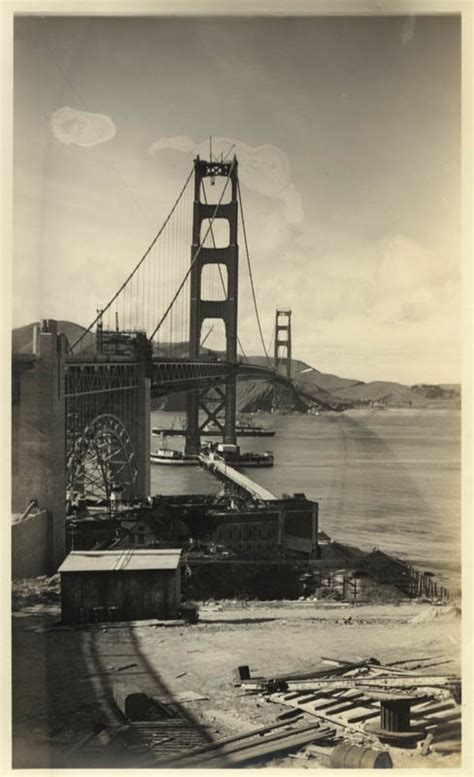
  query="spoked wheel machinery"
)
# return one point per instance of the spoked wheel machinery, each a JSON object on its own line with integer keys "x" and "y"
{"x": 102, "y": 459}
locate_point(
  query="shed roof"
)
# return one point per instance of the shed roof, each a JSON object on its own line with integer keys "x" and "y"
{"x": 124, "y": 560}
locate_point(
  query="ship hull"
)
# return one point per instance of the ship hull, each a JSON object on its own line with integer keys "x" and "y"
{"x": 215, "y": 433}
{"x": 169, "y": 461}
{"x": 253, "y": 464}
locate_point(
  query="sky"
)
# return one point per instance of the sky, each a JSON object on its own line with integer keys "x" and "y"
{"x": 347, "y": 132}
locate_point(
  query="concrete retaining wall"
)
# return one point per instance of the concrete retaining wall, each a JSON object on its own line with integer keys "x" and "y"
{"x": 38, "y": 433}
{"x": 31, "y": 546}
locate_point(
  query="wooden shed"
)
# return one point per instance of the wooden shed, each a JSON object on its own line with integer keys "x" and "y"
{"x": 120, "y": 585}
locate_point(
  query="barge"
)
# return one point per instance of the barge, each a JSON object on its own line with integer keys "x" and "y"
{"x": 233, "y": 457}
{"x": 243, "y": 428}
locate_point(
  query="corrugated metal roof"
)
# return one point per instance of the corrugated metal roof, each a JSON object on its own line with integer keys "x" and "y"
{"x": 125, "y": 560}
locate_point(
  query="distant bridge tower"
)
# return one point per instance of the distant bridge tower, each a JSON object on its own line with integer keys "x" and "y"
{"x": 215, "y": 405}
{"x": 282, "y": 356}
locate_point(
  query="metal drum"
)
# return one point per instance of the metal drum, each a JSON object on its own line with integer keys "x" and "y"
{"x": 354, "y": 757}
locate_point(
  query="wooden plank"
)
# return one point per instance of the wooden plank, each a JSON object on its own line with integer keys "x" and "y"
{"x": 316, "y": 713}
{"x": 390, "y": 669}
{"x": 353, "y": 695}
{"x": 385, "y": 681}
{"x": 443, "y": 717}
{"x": 423, "y": 711}
{"x": 300, "y": 694}
{"x": 359, "y": 714}
{"x": 453, "y": 731}
{"x": 266, "y": 750}
{"x": 321, "y": 704}
{"x": 338, "y": 708}
{"x": 249, "y": 751}
{"x": 239, "y": 737}
{"x": 450, "y": 746}
{"x": 439, "y": 728}
{"x": 305, "y": 697}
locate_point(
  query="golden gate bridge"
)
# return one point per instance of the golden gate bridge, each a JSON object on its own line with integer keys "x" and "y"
{"x": 171, "y": 326}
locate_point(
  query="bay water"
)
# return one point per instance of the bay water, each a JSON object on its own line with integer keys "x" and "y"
{"x": 383, "y": 478}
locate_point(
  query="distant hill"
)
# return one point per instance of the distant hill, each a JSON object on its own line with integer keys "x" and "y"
{"x": 396, "y": 394}
{"x": 333, "y": 392}
{"x": 22, "y": 337}
{"x": 320, "y": 389}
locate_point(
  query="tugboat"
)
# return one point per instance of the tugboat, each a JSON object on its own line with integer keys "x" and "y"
{"x": 165, "y": 455}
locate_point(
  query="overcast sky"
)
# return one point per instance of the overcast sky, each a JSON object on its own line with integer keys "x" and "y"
{"x": 348, "y": 137}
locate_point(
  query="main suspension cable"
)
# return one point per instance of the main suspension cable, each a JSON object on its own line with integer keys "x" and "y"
{"x": 130, "y": 276}
{"x": 254, "y": 296}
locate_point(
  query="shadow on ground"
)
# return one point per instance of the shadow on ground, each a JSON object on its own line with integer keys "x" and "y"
{"x": 63, "y": 690}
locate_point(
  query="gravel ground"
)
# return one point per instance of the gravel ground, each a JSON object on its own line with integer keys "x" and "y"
{"x": 63, "y": 678}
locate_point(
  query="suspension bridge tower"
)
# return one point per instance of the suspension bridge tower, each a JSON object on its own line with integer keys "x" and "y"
{"x": 282, "y": 357}
{"x": 216, "y": 405}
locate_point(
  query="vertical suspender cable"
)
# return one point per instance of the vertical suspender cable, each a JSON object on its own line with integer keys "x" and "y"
{"x": 139, "y": 264}
{"x": 251, "y": 277}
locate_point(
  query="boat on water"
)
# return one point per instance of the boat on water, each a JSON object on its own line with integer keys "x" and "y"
{"x": 165, "y": 455}
{"x": 232, "y": 455}
{"x": 255, "y": 460}
{"x": 243, "y": 428}
{"x": 170, "y": 456}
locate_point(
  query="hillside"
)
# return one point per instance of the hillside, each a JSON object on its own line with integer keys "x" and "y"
{"x": 397, "y": 395}
{"x": 327, "y": 389}
{"x": 22, "y": 337}
{"x": 322, "y": 390}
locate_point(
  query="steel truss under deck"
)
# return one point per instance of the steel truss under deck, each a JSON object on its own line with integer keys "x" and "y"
{"x": 95, "y": 377}
{"x": 100, "y": 377}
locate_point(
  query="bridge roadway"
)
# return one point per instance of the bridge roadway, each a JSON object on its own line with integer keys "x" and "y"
{"x": 100, "y": 374}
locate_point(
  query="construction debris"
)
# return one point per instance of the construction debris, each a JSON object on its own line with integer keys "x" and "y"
{"x": 260, "y": 743}
{"x": 366, "y": 701}
{"x": 395, "y": 724}
{"x": 352, "y": 757}
{"x": 180, "y": 697}
{"x": 132, "y": 702}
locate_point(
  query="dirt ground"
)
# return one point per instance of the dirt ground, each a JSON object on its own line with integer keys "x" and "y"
{"x": 63, "y": 678}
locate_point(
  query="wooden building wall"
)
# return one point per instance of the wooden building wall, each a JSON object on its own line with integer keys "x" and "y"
{"x": 138, "y": 595}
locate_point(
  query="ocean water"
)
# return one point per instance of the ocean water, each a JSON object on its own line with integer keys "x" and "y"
{"x": 388, "y": 479}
